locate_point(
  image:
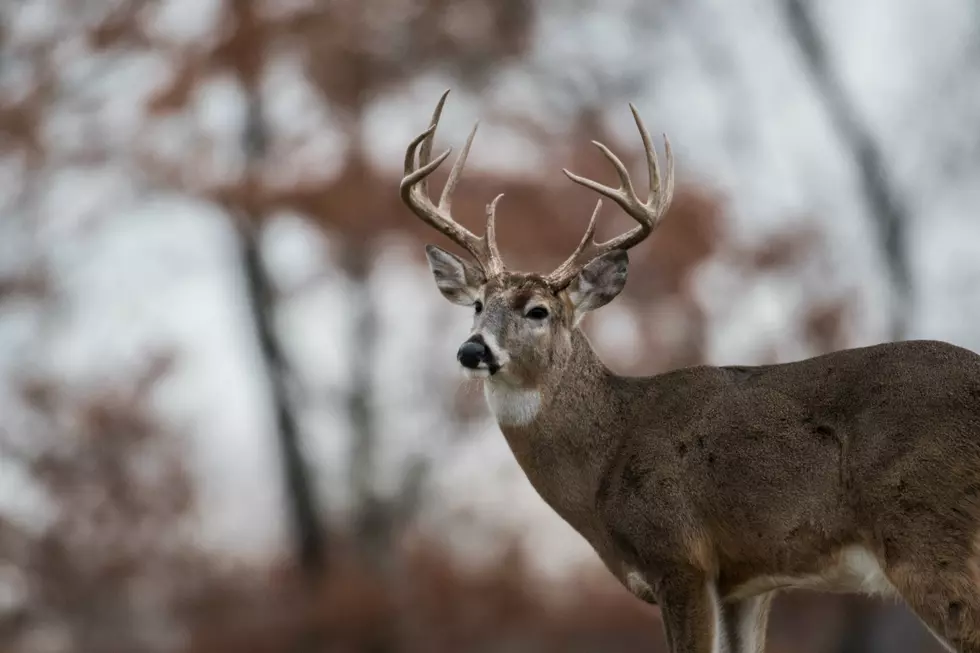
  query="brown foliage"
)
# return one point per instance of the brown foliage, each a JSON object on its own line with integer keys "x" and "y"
{"x": 437, "y": 604}
{"x": 110, "y": 530}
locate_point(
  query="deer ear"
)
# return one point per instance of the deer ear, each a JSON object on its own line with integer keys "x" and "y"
{"x": 459, "y": 281}
{"x": 598, "y": 283}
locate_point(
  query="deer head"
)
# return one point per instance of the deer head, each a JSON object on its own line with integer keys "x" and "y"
{"x": 522, "y": 321}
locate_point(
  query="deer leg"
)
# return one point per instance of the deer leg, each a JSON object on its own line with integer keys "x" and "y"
{"x": 745, "y": 623}
{"x": 692, "y": 616}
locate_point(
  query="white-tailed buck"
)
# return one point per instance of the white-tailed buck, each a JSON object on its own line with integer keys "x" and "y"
{"x": 706, "y": 490}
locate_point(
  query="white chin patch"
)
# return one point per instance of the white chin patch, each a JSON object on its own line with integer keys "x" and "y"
{"x": 478, "y": 373}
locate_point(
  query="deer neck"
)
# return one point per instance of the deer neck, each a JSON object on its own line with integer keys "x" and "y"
{"x": 556, "y": 428}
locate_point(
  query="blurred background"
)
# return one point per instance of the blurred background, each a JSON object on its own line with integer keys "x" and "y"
{"x": 230, "y": 414}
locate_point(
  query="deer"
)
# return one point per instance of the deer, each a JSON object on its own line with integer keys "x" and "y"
{"x": 708, "y": 490}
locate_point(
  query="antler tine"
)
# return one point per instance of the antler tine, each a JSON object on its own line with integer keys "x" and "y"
{"x": 414, "y": 192}
{"x": 446, "y": 199}
{"x": 495, "y": 262}
{"x": 415, "y": 175}
{"x": 427, "y": 143}
{"x": 667, "y": 194}
{"x": 653, "y": 165}
{"x": 648, "y": 214}
{"x": 564, "y": 272}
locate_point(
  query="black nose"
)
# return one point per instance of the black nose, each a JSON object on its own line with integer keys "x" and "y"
{"x": 472, "y": 352}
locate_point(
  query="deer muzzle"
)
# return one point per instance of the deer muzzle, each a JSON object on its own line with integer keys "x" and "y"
{"x": 474, "y": 354}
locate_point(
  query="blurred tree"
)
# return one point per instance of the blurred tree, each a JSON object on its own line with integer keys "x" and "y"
{"x": 883, "y": 200}
{"x": 353, "y": 53}
{"x": 345, "y": 53}
{"x": 248, "y": 44}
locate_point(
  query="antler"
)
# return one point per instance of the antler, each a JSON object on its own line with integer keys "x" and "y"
{"x": 415, "y": 193}
{"x": 648, "y": 213}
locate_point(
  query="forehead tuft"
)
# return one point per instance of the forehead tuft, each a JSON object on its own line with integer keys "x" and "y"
{"x": 516, "y": 289}
{"x": 523, "y": 283}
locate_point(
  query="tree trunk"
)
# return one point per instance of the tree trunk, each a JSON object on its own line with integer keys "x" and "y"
{"x": 372, "y": 519}
{"x": 890, "y": 214}
{"x": 308, "y": 535}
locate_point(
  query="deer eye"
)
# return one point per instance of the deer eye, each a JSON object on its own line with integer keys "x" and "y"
{"x": 538, "y": 313}
{"x": 478, "y": 306}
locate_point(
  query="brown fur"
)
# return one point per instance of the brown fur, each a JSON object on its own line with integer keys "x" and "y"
{"x": 729, "y": 479}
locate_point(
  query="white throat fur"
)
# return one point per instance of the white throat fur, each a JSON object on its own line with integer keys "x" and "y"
{"x": 511, "y": 405}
